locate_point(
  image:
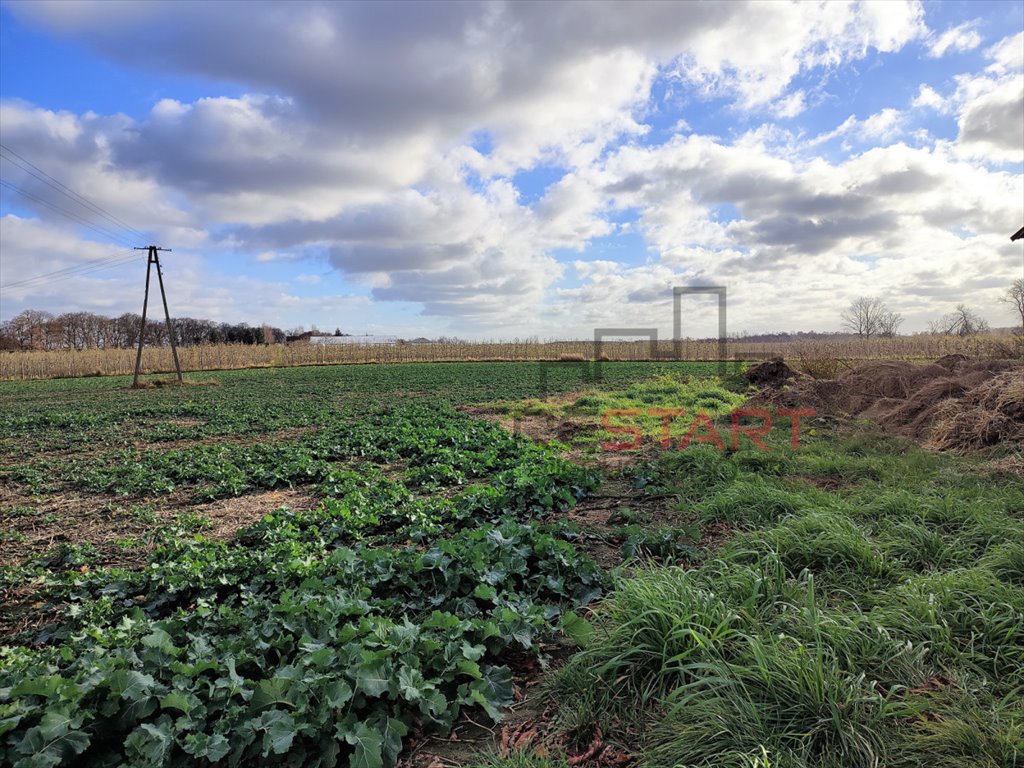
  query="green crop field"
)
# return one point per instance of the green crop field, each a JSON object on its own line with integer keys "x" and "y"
{"x": 345, "y": 565}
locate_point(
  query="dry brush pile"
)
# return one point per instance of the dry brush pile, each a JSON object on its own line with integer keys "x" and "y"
{"x": 956, "y": 403}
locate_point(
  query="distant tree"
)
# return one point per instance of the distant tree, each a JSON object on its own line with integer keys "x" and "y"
{"x": 29, "y": 328}
{"x": 962, "y": 321}
{"x": 889, "y": 324}
{"x": 867, "y": 316}
{"x": 33, "y": 329}
{"x": 7, "y": 341}
{"x": 126, "y": 329}
{"x": 1014, "y": 296}
{"x": 337, "y": 331}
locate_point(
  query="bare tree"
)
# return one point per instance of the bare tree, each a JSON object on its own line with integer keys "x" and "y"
{"x": 127, "y": 329}
{"x": 34, "y": 329}
{"x": 1014, "y": 296}
{"x": 28, "y": 328}
{"x": 963, "y": 321}
{"x": 867, "y": 317}
{"x": 889, "y": 323}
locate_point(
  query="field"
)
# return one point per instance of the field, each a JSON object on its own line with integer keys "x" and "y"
{"x": 439, "y": 564}
{"x": 814, "y": 355}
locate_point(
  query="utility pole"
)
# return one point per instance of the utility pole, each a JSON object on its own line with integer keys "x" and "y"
{"x": 153, "y": 257}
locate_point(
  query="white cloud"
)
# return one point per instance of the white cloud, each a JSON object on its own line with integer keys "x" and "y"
{"x": 922, "y": 226}
{"x": 195, "y": 287}
{"x": 963, "y": 37}
{"x": 883, "y": 126}
{"x": 928, "y": 98}
{"x": 536, "y": 75}
{"x": 77, "y": 149}
{"x": 757, "y": 57}
{"x": 791, "y": 105}
{"x": 1007, "y": 55}
{"x": 386, "y": 145}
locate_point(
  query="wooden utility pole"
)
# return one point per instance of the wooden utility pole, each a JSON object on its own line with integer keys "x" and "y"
{"x": 152, "y": 258}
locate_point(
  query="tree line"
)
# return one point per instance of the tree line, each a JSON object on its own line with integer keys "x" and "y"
{"x": 35, "y": 329}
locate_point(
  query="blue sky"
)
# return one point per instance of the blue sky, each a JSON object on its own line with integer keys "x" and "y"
{"x": 499, "y": 170}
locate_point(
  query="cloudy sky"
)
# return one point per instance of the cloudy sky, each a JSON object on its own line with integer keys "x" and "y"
{"x": 513, "y": 169}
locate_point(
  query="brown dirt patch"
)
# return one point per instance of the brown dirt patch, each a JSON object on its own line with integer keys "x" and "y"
{"x": 121, "y": 535}
{"x": 228, "y": 515}
{"x": 597, "y": 537}
{"x": 831, "y": 483}
{"x": 184, "y": 422}
{"x": 120, "y": 530}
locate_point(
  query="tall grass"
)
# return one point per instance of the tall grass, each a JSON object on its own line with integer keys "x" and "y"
{"x": 880, "y": 623}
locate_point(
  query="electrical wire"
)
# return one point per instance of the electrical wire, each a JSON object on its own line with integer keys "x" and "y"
{"x": 87, "y": 265}
{"x": 104, "y": 229}
{"x": 78, "y": 270}
{"x": 24, "y": 164}
{"x": 118, "y": 238}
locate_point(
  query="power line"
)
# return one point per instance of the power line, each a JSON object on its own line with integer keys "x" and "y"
{"x": 24, "y": 164}
{"x": 73, "y": 271}
{"x": 30, "y": 284}
{"x": 78, "y": 270}
{"x": 120, "y": 239}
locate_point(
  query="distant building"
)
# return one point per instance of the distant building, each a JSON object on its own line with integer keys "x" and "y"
{"x": 301, "y": 337}
{"x": 367, "y": 339}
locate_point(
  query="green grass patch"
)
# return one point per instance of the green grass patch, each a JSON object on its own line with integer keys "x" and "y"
{"x": 876, "y": 619}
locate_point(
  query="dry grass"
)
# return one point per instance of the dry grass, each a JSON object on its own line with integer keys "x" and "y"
{"x": 990, "y": 414}
{"x": 1011, "y": 465}
{"x": 817, "y": 357}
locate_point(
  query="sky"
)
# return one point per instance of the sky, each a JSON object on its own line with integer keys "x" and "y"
{"x": 499, "y": 170}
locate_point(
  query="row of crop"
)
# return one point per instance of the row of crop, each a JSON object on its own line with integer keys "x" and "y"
{"x": 312, "y": 638}
{"x": 92, "y": 413}
{"x": 442, "y": 447}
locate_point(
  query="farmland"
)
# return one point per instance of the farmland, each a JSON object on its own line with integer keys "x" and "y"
{"x": 342, "y": 564}
{"x": 55, "y": 363}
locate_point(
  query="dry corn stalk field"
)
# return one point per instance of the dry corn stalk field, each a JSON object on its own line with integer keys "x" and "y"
{"x": 817, "y": 357}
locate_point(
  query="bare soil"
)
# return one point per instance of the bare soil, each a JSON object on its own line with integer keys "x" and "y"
{"x": 119, "y": 532}
{"x": 34, "y": 525}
